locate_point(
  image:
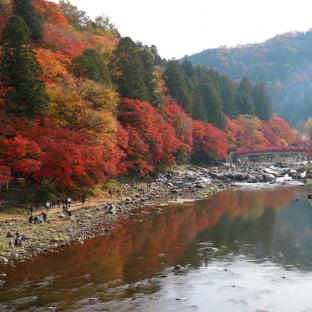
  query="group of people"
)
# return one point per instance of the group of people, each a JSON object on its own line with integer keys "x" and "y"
{"x": 16, "y": 239}
{"x": 41, "y": 218}
{"x": 58, "y": 203}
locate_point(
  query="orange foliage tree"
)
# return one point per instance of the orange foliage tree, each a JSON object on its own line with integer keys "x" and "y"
{"x": 183, "y": 125}
{"x": 152, "y": 141}
{"x": 209, "y": 142}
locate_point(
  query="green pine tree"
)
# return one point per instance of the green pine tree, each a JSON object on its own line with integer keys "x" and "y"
{"x": 228, "y": 90}
{"x": 198, "y": 109}
{"x": 263, "y": 105}
{"x": 91, "y": 64}
{"x": 179, "y": 85}
{"x": 188, "y": 68}
{"x": 75, "y": 17}
{"x": 128, "y": 70}
{"x": 34, "y": 21}
{"x": 244, "y": 98}
{"x": 212, "y": 102}
{"x": 20, "y": 71}
{"x": 148, "y": 60}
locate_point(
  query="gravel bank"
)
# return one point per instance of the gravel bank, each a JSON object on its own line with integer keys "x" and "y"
{"x": 175, "y": 185}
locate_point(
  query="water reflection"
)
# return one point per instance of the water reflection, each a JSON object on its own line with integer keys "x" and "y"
{"x": 259, "y": 225}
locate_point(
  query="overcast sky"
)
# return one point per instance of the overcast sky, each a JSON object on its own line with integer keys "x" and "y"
{"x": 184, "y": 27}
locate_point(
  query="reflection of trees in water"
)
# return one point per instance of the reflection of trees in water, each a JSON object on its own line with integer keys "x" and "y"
{"x": 137, "y": 250}
{"x": 240, "y": 236}
{"x": 283, "y": 237}
{"x": 293, "y": 236}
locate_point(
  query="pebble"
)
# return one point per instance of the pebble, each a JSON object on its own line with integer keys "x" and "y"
{"x": 4, "y": 260}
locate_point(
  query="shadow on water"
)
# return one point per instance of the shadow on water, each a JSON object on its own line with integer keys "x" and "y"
{"x": 261, "y": 225}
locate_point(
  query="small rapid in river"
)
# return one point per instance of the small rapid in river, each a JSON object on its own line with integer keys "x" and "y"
{"x": 241, "y": 250}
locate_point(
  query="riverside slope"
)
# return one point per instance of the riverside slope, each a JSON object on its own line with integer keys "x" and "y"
{"x": 182, "y": 183}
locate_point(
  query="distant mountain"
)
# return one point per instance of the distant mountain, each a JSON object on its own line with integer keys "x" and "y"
{"x": 284, "y": 63}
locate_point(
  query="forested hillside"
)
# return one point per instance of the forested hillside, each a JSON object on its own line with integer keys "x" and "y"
{"x": 80, "y": 104}
{"x": 284, "y": 63}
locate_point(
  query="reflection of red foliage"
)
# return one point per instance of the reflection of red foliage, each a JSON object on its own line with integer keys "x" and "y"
{"x": 170, "y": 233}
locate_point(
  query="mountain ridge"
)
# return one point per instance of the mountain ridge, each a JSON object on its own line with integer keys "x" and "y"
{"x": 283, "y": 62}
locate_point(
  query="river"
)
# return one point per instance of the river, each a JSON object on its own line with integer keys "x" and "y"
{"x": 241, "y": 250}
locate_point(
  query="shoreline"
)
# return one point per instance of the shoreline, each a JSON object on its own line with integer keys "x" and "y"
{"x": 183, "y": 184}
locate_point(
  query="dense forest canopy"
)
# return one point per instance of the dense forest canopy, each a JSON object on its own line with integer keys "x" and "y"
{"x": 80, "y": 104}
{"x": 283, "y": 63}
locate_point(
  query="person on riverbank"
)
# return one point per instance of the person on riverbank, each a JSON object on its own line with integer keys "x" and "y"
{"x": 30, "y": 210}
{"x": 10, "y": 237}
{"x": 18, "y": 242}
{"x": 47, "y": 205}
{"x": 45, "y": 217}
{"x": 69, "y": 200}
{"x": 83, "y": 198}
{"x": 39, "y": 218}
{"x": 18, "y": 234}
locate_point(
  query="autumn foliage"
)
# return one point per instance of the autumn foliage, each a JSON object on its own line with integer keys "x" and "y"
{"x": 152, "y": 140}
{"x": 46, "y": 153}
{"x": 89, "y": 134}
{"x": 209, "y": 142}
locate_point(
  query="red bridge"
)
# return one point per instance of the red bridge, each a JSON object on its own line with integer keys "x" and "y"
{"x": 289, "y": 150}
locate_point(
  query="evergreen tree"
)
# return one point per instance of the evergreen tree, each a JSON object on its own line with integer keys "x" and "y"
{"x": 148, "y": 60}
{"x": 128, "y": 70}
{"x": 188, "y": 68}
{"x": 263, "y": 105}
{"x": 20, "y": 71}
{"x": 157, "y": 59}
{"x": 212, "y": 102}
{"x": 228, "y": 91}
{"x": 179, "y": 85}
{"x": 244, "y": 98}
{"x": 133, "y": 71}
{"x": 75, "y": 17}
{"x": 198, "y": 109}
{"x": 34, "y": 21}
{"x": 92, "y": 65}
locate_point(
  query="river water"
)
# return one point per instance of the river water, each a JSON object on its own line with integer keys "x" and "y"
{"x": 242, "y": 250}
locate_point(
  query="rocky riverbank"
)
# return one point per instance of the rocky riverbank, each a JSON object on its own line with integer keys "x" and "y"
{"x": 175, "y": 185}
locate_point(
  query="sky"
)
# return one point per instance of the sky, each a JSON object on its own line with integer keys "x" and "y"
{"x": 185, "y": 27}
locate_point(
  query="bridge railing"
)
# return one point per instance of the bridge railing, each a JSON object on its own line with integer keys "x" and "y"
{"x": 290, "y": 149}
